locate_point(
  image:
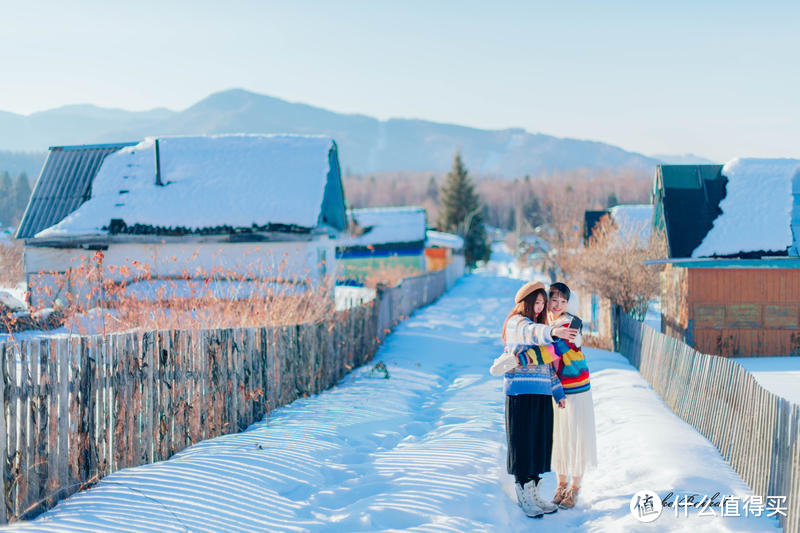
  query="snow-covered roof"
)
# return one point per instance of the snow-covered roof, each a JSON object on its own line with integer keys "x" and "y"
{"x": 387, "y": 225}
{"x": 634, "y": 221}
{"x": 233, "y": 181}
{"x": 12, "y": 302}
{"x": 757, "y": 210}
{"x": 444, "y": 240}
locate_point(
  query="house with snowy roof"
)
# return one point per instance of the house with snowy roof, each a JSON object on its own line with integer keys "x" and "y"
{"x": 265, "y": 205}
{"x": 442, "y": 249}
{"x": 633, "y": 221}
{"x": 732, "y": 281}
{"x": 382, "y": 237}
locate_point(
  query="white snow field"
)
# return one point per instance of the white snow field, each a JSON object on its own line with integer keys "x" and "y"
{"x": 778, "y": 375}
{"x": 423, "y": 450}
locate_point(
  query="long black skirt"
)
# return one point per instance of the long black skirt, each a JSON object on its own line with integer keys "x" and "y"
{"x": 529, "y": 429}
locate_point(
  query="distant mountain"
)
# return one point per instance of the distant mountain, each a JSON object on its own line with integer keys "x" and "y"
{"x": 684, "y": 159}
{"x": 16, "y": 163}
{"x": 365, "y": 144}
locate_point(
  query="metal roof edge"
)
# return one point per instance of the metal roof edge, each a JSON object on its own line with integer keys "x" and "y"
{"x": 723, "y": 262}
{"x": 92, "y": 146}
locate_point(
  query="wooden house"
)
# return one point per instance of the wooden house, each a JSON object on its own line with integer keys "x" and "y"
{"x": 268, "y": 206}
{"x": 441, "y": 249}
{"x": 732, "y": 281}
{"x": 382, "y": 237}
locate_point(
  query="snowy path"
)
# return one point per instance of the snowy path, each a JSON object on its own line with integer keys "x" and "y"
{"x": 421, "y": 451}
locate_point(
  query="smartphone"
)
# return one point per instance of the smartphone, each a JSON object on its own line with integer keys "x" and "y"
{"x": 576, "y": 323}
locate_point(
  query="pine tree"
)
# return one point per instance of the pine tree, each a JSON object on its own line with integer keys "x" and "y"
{"x": 462, "y": 214}
{"x": 22, "y": 193}
{"x": 433, "y": 190}
{"x": 6, "y": 199}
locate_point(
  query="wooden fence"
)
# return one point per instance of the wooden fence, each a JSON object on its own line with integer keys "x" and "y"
{"x": 78, "y": 408}
{"x": 755, "y": 431}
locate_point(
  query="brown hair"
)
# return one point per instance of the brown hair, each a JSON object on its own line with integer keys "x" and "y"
{"x": 526, "y": 309}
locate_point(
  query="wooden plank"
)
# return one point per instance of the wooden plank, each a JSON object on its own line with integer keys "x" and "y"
{"x": 155, "y": 398}
{"x": 133, "y": 353}
{"x": 272, "y": 368}
{"x": 42, "y": 432}
{"x": 120, "y": 401}
{"x": 149, "y": 343}
{"x": 204, "y": 402}
{"x": 30, "y": 440}
{"x": 53, "y": 484}
{"x": 111, "y": 401}
{"x": 234, "y": 370}
{"x": 165, "y": 405}
{"x": 88, "y": 407}
{"x": 246, "y": 389}
{"x": 64, "y": 430}
{"x": 781, "y": 315}
{"x": 179, "y": 389}
{"x": 101, "y": 405}
{"x": 194, "y": 391}
{"x": 12, "y": 418}
{"x": 75, "y": 435}
{"x": 24, "y": 442}
{"x": 198, "y": 378}
{"x": 174, "y": 413}
{"x": 4, "y": 355}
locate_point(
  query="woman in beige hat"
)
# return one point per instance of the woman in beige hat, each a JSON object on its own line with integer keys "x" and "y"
{"x": 530, "y": 382}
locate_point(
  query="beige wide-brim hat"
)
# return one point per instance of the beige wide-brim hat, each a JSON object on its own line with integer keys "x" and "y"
{"x": 527, "y": 289}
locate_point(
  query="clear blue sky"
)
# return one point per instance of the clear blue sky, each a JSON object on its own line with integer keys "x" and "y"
{"x": 717, "y": 78}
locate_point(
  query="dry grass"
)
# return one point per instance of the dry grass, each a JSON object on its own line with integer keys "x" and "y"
{"x": 97, "y": 298}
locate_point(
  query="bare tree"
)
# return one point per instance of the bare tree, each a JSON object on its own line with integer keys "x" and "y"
{"x": 612, "y": 265}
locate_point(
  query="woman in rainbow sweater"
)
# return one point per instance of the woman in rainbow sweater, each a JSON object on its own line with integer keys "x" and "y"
{"x": 574, "y": 440}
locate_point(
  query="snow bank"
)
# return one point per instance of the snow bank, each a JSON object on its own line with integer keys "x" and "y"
{"x": 224, "y": 180}
{"x": 757, "y": 208}
{"x": 423, "y": 450}
{"x": 384, "y": 225}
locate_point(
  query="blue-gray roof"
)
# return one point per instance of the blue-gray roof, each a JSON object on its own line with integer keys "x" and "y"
{"x": 64, "y": 184}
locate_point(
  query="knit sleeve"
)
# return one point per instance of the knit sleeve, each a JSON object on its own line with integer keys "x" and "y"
{"x": 578, "y": 341}
{"x": 558, "y": 390}
{"x": 527, "y": 332}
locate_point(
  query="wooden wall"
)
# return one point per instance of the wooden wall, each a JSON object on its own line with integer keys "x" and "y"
{"x": 744, "y": 312}
{"x": 674, "y": 308}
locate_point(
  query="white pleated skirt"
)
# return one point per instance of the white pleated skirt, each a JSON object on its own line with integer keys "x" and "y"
{"x": 574, "y": 438}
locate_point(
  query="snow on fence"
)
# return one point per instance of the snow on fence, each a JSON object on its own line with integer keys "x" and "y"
{"x": 78, "y": 408}
{"x": 756, "y": 431}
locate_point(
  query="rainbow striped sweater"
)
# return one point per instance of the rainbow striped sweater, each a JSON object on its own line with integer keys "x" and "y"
{"x": 571, "y": 364}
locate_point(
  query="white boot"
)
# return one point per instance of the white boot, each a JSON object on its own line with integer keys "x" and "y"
{"x": 532, "y": 488}
{"x": 530, "y": 508}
